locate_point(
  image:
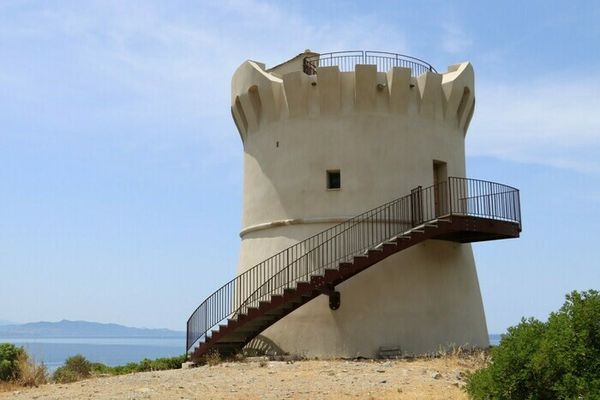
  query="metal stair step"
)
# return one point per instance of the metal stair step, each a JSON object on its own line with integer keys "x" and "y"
{"x": 274, "y": 303}
{"x": 276, "y": 297}
{"x": 302, "y": 286}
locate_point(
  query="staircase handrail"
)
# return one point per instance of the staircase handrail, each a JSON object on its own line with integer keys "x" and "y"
{"x": 421, "y": 206}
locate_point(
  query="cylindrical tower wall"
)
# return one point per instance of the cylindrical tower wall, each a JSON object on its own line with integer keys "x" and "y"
{"x": 384, "y": 133}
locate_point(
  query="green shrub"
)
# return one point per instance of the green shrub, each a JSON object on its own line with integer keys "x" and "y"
{"x": 558, "y": 359}
{"x": 9, "y": 361}
{"x": 146, "y": 364}
{"x": 19, "y": 368}
{"x": 76, "y": 368}
{"x": 63, "y": 375}
{"x": 100, "y": 369}
{"x": 168, "y": 363}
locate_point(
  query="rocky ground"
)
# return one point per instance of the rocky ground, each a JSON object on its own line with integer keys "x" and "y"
{"x": 430, "y": 378}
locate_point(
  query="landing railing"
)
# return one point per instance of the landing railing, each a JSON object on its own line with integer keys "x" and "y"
{"x": 354, "y": 237}
{"x": 347, "y": 60}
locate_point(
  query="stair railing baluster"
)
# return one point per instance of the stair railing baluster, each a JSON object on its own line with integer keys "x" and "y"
{"x": 346, "y": 240}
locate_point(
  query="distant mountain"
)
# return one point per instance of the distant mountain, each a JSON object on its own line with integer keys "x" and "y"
{"x": 4, "y": 322}
{"x": 82, "y": 329}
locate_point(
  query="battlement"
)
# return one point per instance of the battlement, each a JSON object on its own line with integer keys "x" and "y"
{"x": 260, "y": 96}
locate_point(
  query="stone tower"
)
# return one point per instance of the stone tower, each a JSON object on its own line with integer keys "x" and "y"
{"x": 327, "y": 137}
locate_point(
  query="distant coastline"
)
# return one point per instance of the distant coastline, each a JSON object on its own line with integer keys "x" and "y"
{"x": 66, "y": 329}
{"x": 111, "y": 344}
{"x": 110, "y": 351}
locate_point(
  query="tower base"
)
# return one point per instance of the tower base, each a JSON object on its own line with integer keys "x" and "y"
{"x": 421, "y": 300}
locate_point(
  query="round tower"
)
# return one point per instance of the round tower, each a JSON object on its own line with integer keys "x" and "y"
{"x": 327, "y": 137}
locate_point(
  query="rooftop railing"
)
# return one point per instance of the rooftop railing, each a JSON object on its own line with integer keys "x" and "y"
{"x": 347, "y": 60}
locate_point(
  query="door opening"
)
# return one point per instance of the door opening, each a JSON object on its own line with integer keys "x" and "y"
{"x": 440, "y": 188}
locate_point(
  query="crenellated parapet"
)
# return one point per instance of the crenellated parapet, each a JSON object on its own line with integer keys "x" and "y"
{"x": 261, "y": 96}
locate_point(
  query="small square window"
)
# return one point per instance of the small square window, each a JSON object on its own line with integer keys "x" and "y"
{"x": 334, "y": 179}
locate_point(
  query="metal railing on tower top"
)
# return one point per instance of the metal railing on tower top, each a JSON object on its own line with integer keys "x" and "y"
{"x": 342, "y": 242}
{"x": 347, "y": 60}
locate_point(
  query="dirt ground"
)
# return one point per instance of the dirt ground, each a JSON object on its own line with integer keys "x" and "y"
{"x": 431, "y": 378}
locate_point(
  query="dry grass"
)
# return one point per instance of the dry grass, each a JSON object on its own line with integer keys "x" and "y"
{"x": 213, "y": 358}
{"x": 9, "y": 386}
{"x": 438, "y": 376}
{"x": 461, "y": 357}
{"x": 435, "y": 377}
{"x": 31, "y": 373}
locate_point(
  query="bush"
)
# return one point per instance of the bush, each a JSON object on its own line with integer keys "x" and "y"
{"x": 17, "y": 367}
{"x": 30, "y": 372}
{"x": 76, "y": 368}
{"x": 558, "y": 359}
{"x": 9, "y": 361}
{"x": 145, "y": 365}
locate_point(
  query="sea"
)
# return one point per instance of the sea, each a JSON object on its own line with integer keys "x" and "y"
{"x": 110, "y": 351}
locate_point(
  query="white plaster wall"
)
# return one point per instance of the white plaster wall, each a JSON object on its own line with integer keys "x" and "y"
{"x": 384, "y": 141}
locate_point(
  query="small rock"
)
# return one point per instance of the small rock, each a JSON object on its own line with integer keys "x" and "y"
{"x": 436, "y": 375}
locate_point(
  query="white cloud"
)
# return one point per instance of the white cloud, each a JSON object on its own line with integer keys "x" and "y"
{"x": 124, "y": 64}
{"x": 454, "y": 39}
{"x": 554, "y": 121}
{"x": 144, "y": 60}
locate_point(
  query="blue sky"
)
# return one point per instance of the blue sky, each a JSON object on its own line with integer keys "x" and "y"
{"x": 121, "y": 170}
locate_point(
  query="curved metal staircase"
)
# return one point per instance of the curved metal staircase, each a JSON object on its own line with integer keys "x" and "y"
{"x": 459, "y": 210}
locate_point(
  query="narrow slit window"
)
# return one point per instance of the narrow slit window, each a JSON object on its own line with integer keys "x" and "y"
{"x": 334, "y": 179}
